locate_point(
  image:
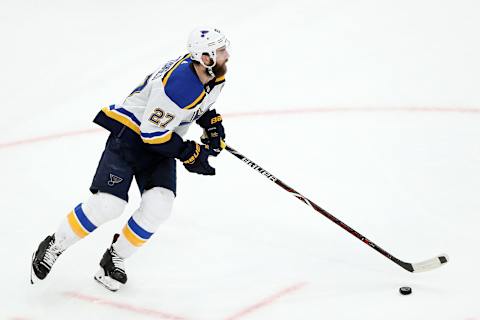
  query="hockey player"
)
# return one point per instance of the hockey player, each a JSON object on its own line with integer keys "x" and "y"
{"x": 145, "y": 142}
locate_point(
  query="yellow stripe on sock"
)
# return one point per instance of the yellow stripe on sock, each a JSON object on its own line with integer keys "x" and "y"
{"x": 75, "y": 225}
{"x": 132, "y": 238}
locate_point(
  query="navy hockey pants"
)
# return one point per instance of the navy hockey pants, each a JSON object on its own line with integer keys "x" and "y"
{"x": 122, "y": 160}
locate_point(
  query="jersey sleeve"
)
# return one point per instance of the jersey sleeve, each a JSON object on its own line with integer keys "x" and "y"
{"x": 183, "y": 86}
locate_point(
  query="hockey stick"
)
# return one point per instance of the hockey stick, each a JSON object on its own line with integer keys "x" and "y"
{"x": 426, "y": 265}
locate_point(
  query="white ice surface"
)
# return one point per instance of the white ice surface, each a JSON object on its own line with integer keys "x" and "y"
{"x": 237, "y": 246}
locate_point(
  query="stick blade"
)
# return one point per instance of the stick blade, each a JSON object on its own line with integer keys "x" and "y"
{"x": 430, "y": 264}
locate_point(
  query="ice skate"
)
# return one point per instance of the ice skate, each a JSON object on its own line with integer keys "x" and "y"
{"x": 44, "y": 258}
{"x": 112, "y": 272}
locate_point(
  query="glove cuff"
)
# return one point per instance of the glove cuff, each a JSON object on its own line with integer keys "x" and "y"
{"x": 188, "y": 150}
{"x": 209, "y": 119}
{"x": 194, "y": 156}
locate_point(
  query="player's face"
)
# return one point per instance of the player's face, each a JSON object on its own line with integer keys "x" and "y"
{"x": 220, "y": 69}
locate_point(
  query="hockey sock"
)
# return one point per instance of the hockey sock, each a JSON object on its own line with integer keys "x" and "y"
{"x": 155, "y": 208}
{"x": 131, "y": 238}
{"x": 87, "y": 216}
{"x": 74, "y": 227}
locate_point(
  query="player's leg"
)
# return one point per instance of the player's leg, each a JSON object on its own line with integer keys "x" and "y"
{"x": 110, "y": 187}
{"x": 158, "y": 185}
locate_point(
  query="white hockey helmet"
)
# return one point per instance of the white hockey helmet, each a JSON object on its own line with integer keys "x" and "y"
{"x": 206, "y": 40}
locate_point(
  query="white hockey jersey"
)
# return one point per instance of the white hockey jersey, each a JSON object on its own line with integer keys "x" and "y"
{"x": 167, "y": 102}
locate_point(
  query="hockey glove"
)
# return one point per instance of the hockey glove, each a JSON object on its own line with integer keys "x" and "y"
{"x": 214, "y": 133}
{"x": 195, "y": 159}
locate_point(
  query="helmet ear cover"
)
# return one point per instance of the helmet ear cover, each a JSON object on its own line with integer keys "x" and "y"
{"x": 213, "y": 59}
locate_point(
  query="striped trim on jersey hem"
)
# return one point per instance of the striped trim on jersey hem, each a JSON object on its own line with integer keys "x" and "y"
{"x": 156, "y": 137}
{"x": 123, "y": 116}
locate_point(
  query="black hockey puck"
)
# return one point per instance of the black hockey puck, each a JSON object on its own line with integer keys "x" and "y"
{"x": 405, "y": 290}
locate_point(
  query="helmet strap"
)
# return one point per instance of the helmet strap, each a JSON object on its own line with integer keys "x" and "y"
{"x": 210, "y": 67}
{"x": 210, "y": 71}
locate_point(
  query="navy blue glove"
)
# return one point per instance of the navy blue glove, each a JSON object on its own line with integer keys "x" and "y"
{"x": 195, "y": 159}
{"x": 214, "y": 133}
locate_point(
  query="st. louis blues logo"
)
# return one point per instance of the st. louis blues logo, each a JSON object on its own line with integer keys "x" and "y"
{"x": 114, "y": 180}
{"x": 203, "y": 32}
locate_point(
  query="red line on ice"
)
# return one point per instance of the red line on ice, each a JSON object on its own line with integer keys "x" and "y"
{"x": 258, "y": 113}
{"x": 48, "y": 137}
{"x": 123, "y": 306}
{"x": 266, "y": 301}
{"x": 353, "y": 110}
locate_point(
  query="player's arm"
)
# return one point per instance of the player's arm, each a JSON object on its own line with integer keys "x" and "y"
{"x": 161, "y": 117}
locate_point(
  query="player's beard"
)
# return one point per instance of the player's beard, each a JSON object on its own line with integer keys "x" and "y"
{"x": 220, "y": 70}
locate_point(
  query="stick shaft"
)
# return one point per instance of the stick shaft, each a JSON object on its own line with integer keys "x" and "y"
{"x": 278, "y": 182}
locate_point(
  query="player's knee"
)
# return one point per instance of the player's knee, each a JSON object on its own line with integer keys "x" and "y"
{"x": 102, "y": 207}
{"x": 156, "y": 206}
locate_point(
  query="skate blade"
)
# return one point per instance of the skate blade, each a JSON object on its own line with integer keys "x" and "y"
{"x": 106, "y": 281}
{"x": 33, "y": 277}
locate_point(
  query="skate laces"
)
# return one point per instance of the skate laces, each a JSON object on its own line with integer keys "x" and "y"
{"x": 117, "y": 260}
{"x": 51, "y": 254}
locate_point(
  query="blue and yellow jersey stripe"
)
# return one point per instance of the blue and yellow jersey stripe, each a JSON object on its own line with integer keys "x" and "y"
{"x": 135, "y": 234}
{"x": 128, "y": 119}
{"x": 79, "y": 222}
{"x": 156, "y": 137}
{"x": 123, "y": 116}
